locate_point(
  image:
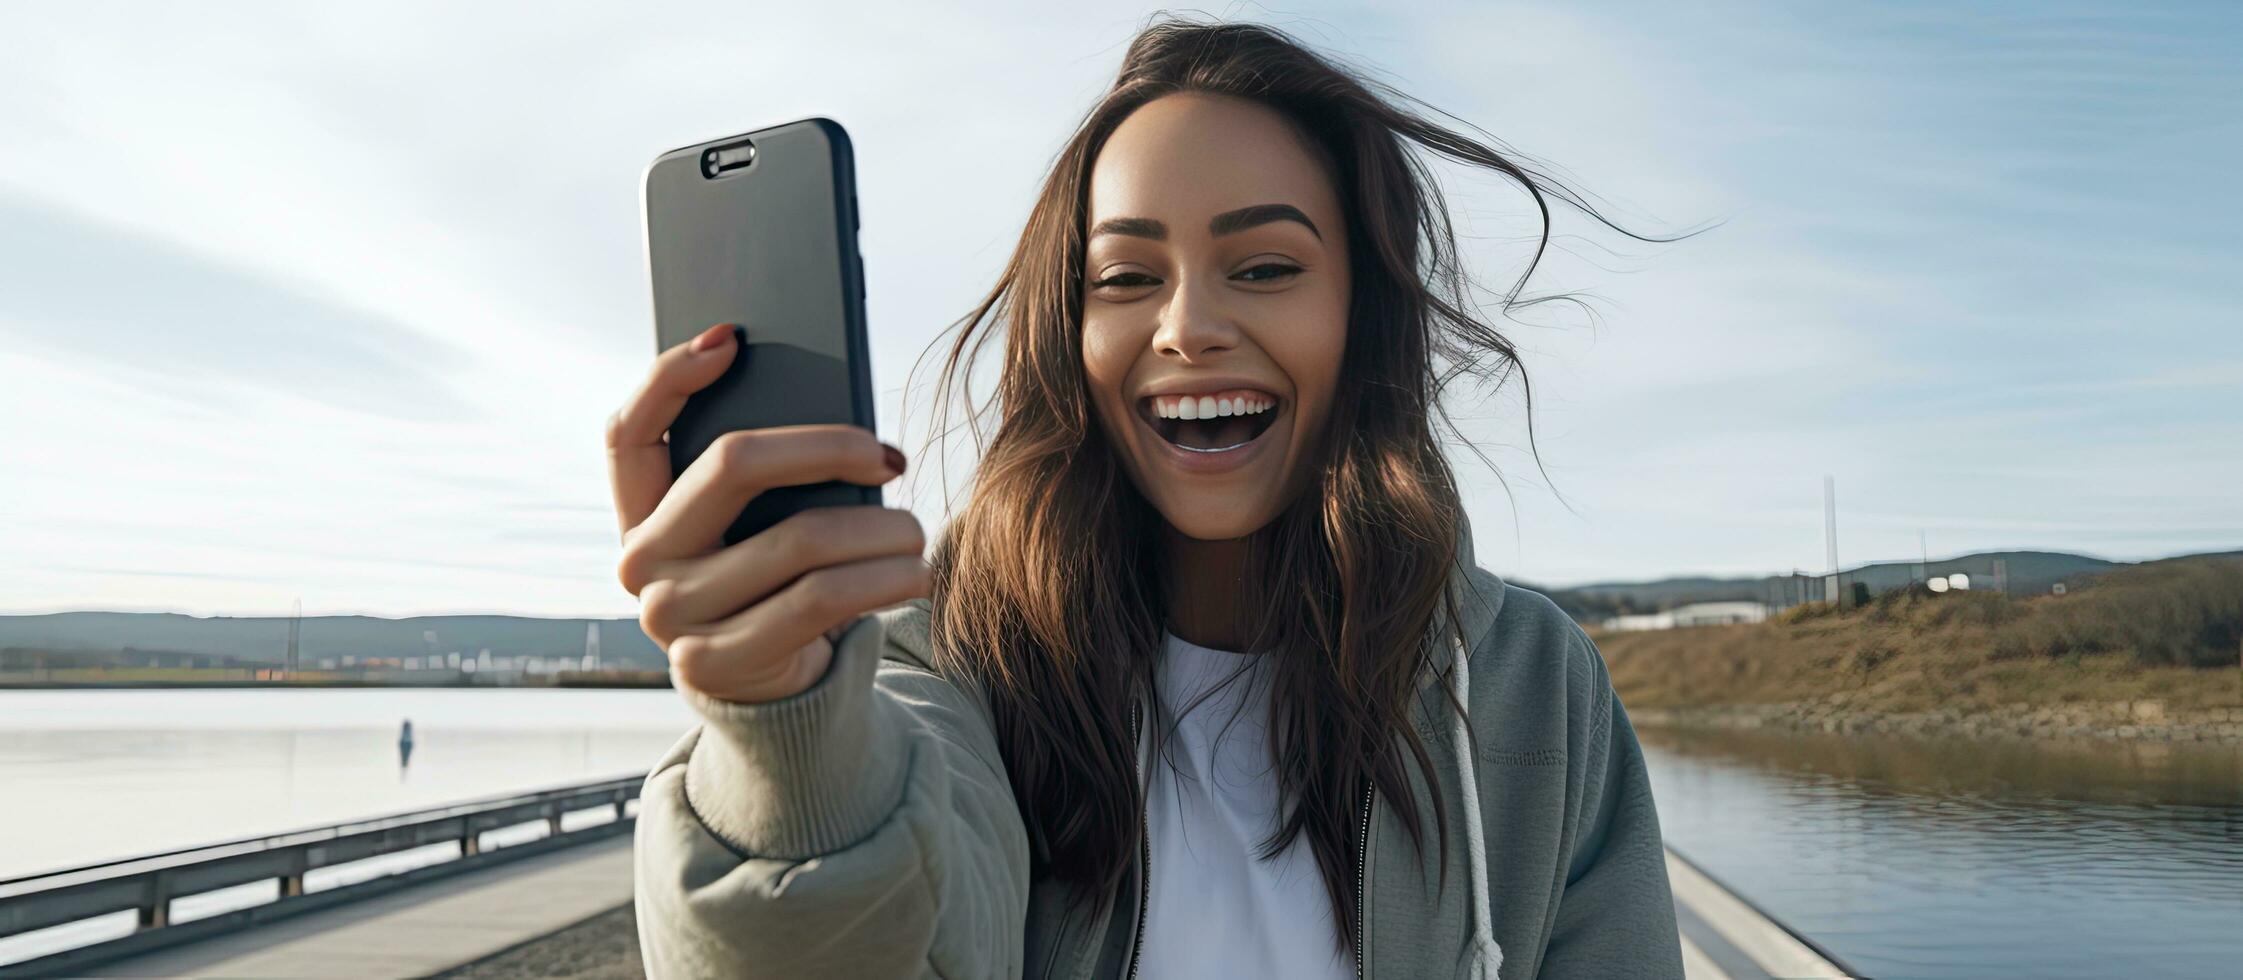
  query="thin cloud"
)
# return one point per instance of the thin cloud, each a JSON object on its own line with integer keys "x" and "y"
{"x": 197, "y": 327}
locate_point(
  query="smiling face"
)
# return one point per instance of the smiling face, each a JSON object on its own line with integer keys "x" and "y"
{"x": 1215, "y": 306}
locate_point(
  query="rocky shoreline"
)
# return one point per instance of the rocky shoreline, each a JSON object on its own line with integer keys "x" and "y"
{"x": 2145, "y": 721}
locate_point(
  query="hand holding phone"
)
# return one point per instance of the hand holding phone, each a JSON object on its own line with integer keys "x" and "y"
{"x": 750, "y": 621}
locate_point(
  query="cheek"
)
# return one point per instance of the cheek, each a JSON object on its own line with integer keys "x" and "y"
{"x": 1311, "y": 347}
{"x": 1108, "y": 356}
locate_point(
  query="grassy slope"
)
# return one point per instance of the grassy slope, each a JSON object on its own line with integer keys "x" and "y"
{"x": 2170, "y": 631}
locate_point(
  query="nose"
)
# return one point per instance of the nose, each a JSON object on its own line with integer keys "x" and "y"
{"x": 1193, "y": 326}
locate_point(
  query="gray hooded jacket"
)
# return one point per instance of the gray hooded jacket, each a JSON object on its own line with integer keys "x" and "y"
{"x": 866, "y": 828}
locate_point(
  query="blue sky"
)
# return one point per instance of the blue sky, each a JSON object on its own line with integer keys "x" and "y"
{"x": 331, "y": 301}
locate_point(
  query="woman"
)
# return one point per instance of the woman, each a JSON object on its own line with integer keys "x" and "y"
{"x": 1212, "y": 539}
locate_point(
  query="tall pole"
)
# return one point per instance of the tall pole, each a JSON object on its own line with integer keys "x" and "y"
{"x": 295, "y": 622}
{"x": 1830, "y": 534}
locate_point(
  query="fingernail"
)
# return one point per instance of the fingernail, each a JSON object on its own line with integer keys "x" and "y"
{"x": 894, "y": 457}
{"x": 712, "y": 337}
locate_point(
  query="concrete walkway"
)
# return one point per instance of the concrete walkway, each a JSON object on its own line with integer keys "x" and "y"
{"x": 416, "y": 931}
{"x": 603, "y": 947}
{"x": 1725, "y": 938}
{"x": 567, "y": 914}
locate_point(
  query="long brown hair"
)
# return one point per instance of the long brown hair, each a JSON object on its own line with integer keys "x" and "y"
{"x": 1046, "y": 588}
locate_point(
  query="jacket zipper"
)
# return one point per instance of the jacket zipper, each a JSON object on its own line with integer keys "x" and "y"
{"x": 1145, "y": 848}
{"x": 1362, "y": 899}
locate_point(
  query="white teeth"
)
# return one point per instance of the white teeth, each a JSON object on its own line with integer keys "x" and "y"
{"x": 1209, "y": 407}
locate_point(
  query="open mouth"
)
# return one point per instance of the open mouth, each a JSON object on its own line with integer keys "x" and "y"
{"x": 1211, "y": 423}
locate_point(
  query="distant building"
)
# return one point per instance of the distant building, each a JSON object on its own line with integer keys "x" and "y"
{"x": 1719, "y": 613}
{"x": 1641, "y": 621}
{"x": 1694, "y": 614}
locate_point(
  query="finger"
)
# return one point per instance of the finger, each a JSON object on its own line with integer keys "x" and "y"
{"x": 710, "y": 589}
{"x": 758, "y": 682}
{"x": 691, "y": 518}
{"x": 760, "y": 635}
{"x": 638, "y": 458}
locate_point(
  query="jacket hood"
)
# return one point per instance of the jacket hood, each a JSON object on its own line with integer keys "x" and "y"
{"x": 1478, "y": 596}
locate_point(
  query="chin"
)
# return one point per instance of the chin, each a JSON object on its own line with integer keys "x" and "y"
{"x": 1204, "y": 520}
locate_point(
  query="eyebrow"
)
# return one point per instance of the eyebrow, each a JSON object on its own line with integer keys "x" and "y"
{"x": 1133, "y": 227}
{"x": 1225, "y": 223}
{"x": 1260, "y": 214}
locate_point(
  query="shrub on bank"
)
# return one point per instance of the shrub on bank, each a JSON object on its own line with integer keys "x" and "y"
{"x": 2183, "y": 613}
{"x": 2186, "y": 613}
{"x": 2139, "y": 632}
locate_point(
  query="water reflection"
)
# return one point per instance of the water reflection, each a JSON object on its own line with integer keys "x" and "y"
{"x": 106, "y": 774}
{"x": 1953, "y": 858}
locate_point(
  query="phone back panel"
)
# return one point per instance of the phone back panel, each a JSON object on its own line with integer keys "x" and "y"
{"x": 771, "y": 247}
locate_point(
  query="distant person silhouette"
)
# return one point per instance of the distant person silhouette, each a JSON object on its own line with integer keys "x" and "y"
{"x": 405, "y": 744}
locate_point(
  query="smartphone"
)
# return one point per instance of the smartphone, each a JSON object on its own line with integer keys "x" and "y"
{"x": 760, "y": 230}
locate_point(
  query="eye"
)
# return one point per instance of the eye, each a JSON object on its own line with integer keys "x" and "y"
{"x": 1125, "y": 280}
{"x": 1269, "y": 272}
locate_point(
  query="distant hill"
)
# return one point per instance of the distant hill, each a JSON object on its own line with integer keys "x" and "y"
{"x": 2030, "y": 573}
{"x": 263, "y": 640}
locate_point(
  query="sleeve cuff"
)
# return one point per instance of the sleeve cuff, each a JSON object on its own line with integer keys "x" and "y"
{"x": 805, "y": 775}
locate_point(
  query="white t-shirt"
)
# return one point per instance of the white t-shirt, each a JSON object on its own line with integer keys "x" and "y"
{"x": 1216, "y": 909}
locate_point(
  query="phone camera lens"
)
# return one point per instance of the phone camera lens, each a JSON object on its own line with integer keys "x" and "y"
{"x": 718, "y": 160}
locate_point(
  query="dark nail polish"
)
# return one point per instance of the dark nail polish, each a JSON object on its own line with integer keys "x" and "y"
{"x": 894, "y": 457}
{"x": 712, "y": 338}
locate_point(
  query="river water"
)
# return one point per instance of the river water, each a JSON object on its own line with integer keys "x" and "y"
{"x": 92, "y": 775}
{"x": 1906, "y": 857}
{"x": 1954, "y": 858}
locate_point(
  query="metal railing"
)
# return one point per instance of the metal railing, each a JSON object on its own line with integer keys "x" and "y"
{"x": 149, "y": 884}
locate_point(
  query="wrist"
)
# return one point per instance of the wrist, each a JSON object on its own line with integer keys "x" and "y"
{"x": 777, "y": 680}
